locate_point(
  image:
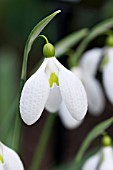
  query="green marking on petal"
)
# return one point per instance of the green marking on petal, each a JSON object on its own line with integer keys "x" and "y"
{"x": 53, "y": 79}
{"x": 1, "y": 159}
{"x": 104, "y": 62}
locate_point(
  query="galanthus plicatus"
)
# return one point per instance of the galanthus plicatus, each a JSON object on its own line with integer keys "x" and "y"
{"x": 48, "y": 87}
{"x": 9, "y": 160}
{"x": 102, "y": 160}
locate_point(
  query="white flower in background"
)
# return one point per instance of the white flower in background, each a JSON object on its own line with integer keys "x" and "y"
{"x": 89, "y": 65}
{"x": 9, "y": 160}
{"x": 107, "y": 70}
{"x": 102, "y": 160}
{"x": 48, "y": 87}
{"x": 90, "y": 62}
{"x": 86, "y": 71}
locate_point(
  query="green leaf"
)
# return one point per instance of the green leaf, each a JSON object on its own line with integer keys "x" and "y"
{"x": 32, "y": 37}
{"x": 67, "y": 42}
{"x": 95, "y": 31}
{"x": 95, "y": 132}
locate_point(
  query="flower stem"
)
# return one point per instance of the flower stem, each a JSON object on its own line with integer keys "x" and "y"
{"x": 39, "y": 152}
{"x": 17, "y": 128}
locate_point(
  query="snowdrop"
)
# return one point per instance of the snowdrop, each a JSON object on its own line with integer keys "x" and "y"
{"x": 48, "y": 87}
{"x": 103, "y": 159}
{"x": 9, "y": 160}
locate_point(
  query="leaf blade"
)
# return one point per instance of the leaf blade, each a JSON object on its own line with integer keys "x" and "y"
{"x": 97, "y": 30}
{"x": 67, "y": 42}
{"x": 32, "y": 37}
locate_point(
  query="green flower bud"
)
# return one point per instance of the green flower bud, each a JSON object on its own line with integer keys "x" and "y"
{"x": 106, "y": 140}
{"x": 48, "y": 50}
{"x": 109, "y": 41}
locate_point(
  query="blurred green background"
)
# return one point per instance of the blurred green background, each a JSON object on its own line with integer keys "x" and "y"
{"x": 17, "y": 18}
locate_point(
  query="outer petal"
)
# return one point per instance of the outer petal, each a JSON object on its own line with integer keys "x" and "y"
{"x": 107, "y": 162}
{"x": 108, "y": 80}
{"x": 72, "y": 92}
{"x": 95, "y": 95}
{"x": 1, "y": 167}
{"x": 92, "y": 162}
{"x": 68, "y": 121}
{"x": 11, "y": 159}
{"x": 90, "y": 60}
{"x": 54, "y": 99}
{"x": 34, "y": 96}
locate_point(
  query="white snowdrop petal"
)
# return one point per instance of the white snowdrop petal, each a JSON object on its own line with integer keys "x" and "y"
{"x": 54, "y": 99}
{"x": 34, "y": 96}
{"x": 90, "y": 60}
{"x": 107, "y": 162}
{"x": 108, "y": 80}
{"x": 68, "y": 121}
{"x": 11, "y": 159}
{"x": 95, "y": 95}
{"x": 1, "y": 167}
{"x": 92, "y": 162}
{"x": 73, "y": 94}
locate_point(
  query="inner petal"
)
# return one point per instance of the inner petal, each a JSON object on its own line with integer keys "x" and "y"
{"x": 54, "y": 99}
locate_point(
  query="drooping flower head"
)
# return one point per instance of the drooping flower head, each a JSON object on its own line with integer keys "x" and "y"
{"x": 48, "y": 87}
{"x": 9, "y": 160}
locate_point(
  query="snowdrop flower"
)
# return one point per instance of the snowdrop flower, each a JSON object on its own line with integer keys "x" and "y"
{"x": 103, "y": 160}
{"x": 48, "y": 87}
{"x": 9, "y": 160}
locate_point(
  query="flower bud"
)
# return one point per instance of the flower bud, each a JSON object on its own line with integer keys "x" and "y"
{"x": 48, "y": 50}
{"x": 109, "y": 41}
{"x": 106, "y": 140}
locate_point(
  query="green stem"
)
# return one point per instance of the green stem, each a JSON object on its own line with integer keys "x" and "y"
{"x": 43, "y": 36}
{"x": 17, "y": 129}
{"x": 39, "y": 152}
